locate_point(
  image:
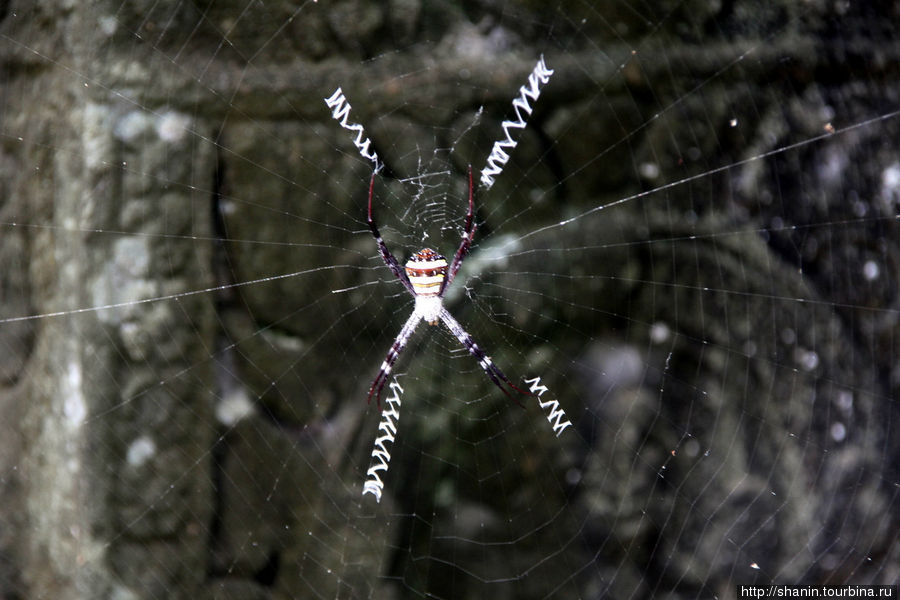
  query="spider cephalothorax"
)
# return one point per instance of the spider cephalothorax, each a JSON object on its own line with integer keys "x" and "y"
{"x": 426, "y": 276}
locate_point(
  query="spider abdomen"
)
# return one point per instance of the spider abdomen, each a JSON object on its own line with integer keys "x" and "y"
{"x": 426, "y": 270}
{"x": 429, "y": 308}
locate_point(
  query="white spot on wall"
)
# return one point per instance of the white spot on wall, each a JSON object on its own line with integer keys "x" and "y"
{"x": 890, "y": 186}
{"x": 140, "y": 451}
{"x": 124, "y": 279}
{"x": 573, "y": 476}
{"x": 172, "y": 127}
{"x": 832, "y": 168}
{"x": 227, "y": 207}
{"x": 119, "y": 592}
{"x": 233, "y": 407}
{"x": 692, "y": 448}
{"x": 472, "y": 43}
{"x": 616, "y": 366}
{"x": 108, "y": 25}
{"x": 132, "y": 125}
{"x": 838, "y": 432}
{"x": 132, "y": 257}
{"x": 74, "y": 407}
{"x": 844, "y": 400}
{"x": 649, "y": 170}
{"x": 871, "y": 271}
{"x": 807, "y": 359}
{"x": 96, "y": 143}
{"x": 659, "y": 332}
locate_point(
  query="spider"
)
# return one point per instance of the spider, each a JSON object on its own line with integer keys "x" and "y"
{"x": 427, "y": 277}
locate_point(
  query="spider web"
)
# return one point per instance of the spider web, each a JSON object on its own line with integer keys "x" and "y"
{"x": 692, "y": 250}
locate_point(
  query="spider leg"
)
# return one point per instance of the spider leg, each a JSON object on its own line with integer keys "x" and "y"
{"x": 468, "y": 234}
{"x": 396, "y": 348}
{"x": 494, "y": 373}
{"x": 386, "y": 255}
